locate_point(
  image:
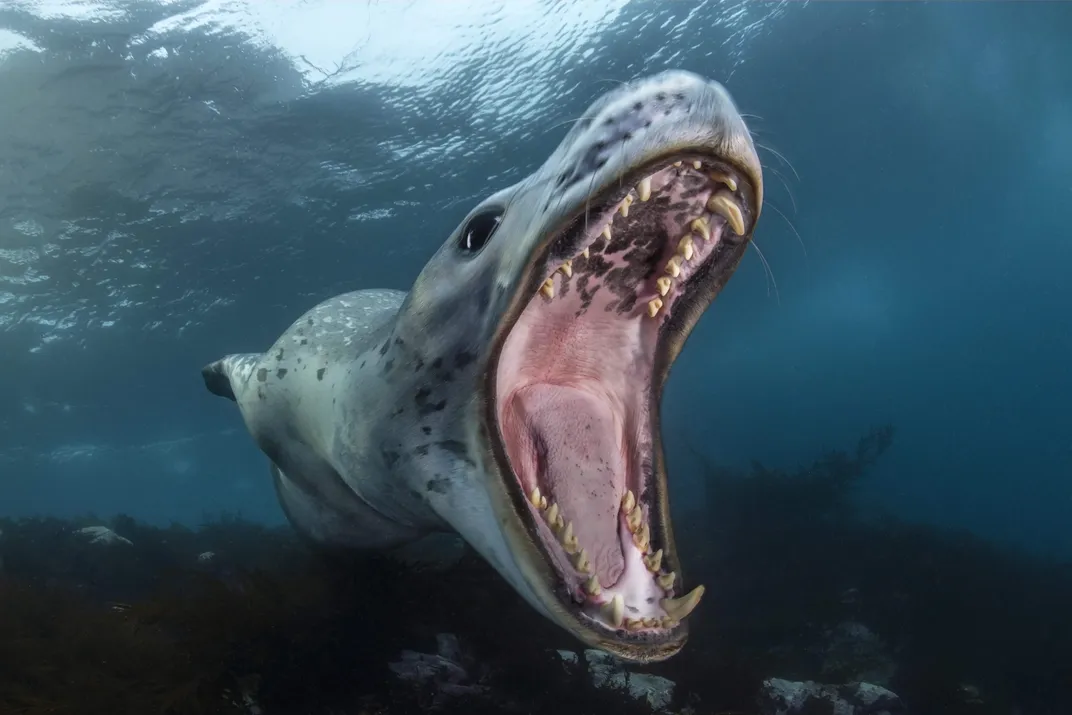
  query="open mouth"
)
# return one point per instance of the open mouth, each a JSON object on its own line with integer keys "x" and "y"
{"x": 579, "y": 376}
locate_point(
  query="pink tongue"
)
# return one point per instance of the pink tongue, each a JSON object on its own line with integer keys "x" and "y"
{"x": 581, "y": 466}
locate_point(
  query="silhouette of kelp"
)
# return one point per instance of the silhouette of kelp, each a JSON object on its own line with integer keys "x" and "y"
{"x": 196, "y": 621}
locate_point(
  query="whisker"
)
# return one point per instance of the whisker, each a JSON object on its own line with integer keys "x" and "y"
{"x": 785, "y": 185}
{"x": 767, "y": 272}
{"x": 791, "y": 226}
{"x": 784, "y": 160}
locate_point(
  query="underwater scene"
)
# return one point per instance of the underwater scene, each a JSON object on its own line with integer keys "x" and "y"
{"x": 375, "y": 357}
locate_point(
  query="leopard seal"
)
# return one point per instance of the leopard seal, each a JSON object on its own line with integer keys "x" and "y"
{"x": 513, "y": 394}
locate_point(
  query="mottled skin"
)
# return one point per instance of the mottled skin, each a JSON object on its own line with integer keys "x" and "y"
{"x": 373, "y": 407}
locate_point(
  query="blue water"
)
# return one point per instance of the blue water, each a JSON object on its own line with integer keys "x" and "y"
{"x": 180, "y": 180}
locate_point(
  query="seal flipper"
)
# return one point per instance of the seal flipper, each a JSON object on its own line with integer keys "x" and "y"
{"x": 222, "y": 375}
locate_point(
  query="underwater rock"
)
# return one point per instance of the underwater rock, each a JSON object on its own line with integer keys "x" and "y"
{"x": 786, "y": 697}
{"x": 447, "y": 670}
{"x": 609, "y": 672}
{"x": 853, "y": 652}
{"x": 103, "y": 535}
{"x": 205, "y": 556}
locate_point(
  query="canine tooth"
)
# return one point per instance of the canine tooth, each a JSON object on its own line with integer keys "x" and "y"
{"x": 680, "y": 608}
{"x": 725, "y": 207}
{"x": 642, "y": 537}
{"x": 606, "y": 232}
{"x": 654, "y": 561}
{"x": 585, "y": 252}
{"x": 567, "y": 268}
{"x": 552, "y": 514}
{"x": 643, "y": 189}
{"x": 696, "y": 164}
{"x": 725, "y": 179}
{"x": 548, "y": 288}
{"x": 592, "y": 587}
{"x": 673, "y": 266}
{"x": 653, "y": 306}
{"x": 581, "y": 562}
{"x": 634, "y": 518}
{"x": 615, "y": 610}
{"x": 685, "y": 248}
{"x": 534, "y": 497}
{"x": 663, "y": 284}
{"x": 628, "y": 501}
{"x": 699, "y": 225}
{"x": 666, "y": 580}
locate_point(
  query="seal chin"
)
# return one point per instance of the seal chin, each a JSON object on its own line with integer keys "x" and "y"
{"x": 574, "y": 385}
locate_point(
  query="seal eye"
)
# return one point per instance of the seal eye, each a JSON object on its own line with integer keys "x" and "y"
{"x": 479, "y": 230}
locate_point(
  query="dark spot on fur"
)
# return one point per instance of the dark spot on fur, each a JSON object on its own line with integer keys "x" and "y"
{"x": 281, "y": 372}
{"x": 362, "y": 366}
{"x": 421, "y": 451}
{"x": 279, "y": 355}
{"x": 320, "y": 373}
{"x": 383, "y": 348}
{"x": 304, "y": 341}
{"x": 262, "y": 374}
{"x": 418, "y": 366}
{"x": 424, "y": 404}
{"x": 456, "y": 448}
{"x": 426, "y": 429}
{"x": 463, "y": 358}
{"x": 390, "y": 457}
{"x": 388, "y": 365}
{"x": 398, "y": 341}
{"x": 437, "y": 363}
{"x": 439, "y": 485}
{"x": 310, "y": 321}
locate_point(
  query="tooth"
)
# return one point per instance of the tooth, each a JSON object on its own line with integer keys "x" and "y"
{"x": 634, "y": 624}
{"x": 567, "y": 533}
{"x": 628, "y": 501}
{"x": 581, "y": 562}
{"x": 673, "y": 266}
{"x": 592, "y": 587}
{"x": 699, "y": 225}
{"x": 663, "y": 284}
{"x": 567, "y": 268}
{"x": 634, "y": 518}
{"x": 615, "y": 610}
{"x": 726, "y": 179}
{"x": 543, "y": 502}
{"x": 552, "y": 514}
{"x": 666, "y": 580}
{"x": 653, "y": 306}
{"x": 548, "y": 288}
{"x": 680, "y": 608}
{"x": 534, "y": 497}
{"x": 725, "y": 207}
{"x": 572, "y": 546}
{"x": 585, "y": 252}
{"x": 677, "y": 164}
{"x": 606, "y": 232}
{"x": 642, "y": 537}
{"x": 623, "y": 208}
{"x": 696, "y": 164}
{"x": 654, "y": 561}
{"x": 651, "y": 622}
{"x": 685, "y": 247}
{"x": 643, "y": 189}
{"x": 668, "y": 622}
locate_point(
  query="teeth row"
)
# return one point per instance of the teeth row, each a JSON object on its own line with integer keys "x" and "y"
{"x": 721, "y": 203}
{"x": 563, "y": 531}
